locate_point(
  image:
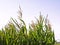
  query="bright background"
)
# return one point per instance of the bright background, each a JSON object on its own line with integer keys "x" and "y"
{"x": 31, "y": 9}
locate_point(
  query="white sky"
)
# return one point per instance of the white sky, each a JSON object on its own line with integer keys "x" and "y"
{"x": 31, "y": 9}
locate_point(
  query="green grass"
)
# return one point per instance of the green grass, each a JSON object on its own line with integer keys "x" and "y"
{"x": 16, "y": 33}
{"x": 57, "y": 44}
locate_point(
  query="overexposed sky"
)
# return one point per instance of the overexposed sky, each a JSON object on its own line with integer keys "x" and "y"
{"x": 31, "y": 9}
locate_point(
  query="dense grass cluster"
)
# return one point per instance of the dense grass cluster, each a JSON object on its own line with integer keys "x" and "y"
{"x": 39, "y": 33}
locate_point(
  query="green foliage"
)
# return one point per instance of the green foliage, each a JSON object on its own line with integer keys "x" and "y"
{"x": 57, "y": 43}
{"x": 15, "y": 33}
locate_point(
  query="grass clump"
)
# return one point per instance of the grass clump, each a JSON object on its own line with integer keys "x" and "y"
{"x": 40, "y": 33}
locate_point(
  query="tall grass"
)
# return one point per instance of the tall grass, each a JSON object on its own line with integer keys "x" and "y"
{"x": 40, "y": 33}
